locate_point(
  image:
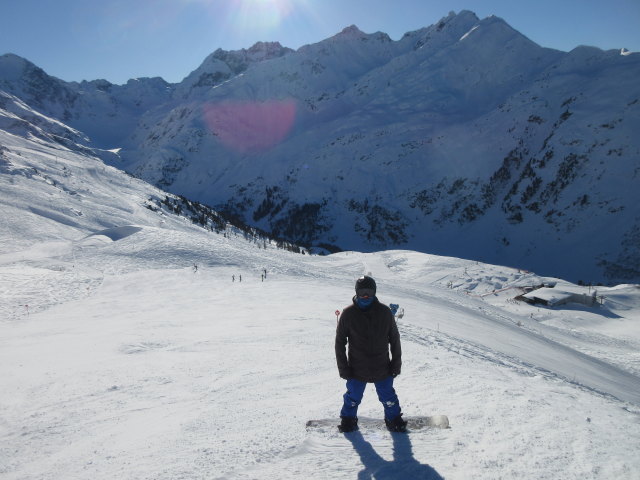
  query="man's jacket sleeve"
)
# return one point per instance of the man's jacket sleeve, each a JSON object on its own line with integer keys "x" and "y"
{"x": 341, "y": 349}
{"x": 396, "y": 349}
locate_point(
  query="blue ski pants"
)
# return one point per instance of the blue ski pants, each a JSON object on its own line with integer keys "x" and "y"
{"x": 386, "y": 395}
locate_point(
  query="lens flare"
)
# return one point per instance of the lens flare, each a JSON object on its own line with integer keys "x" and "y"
{"x": 250, "y": 127}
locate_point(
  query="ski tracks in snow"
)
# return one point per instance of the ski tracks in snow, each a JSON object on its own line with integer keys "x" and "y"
{"x": 41, "y": 276}
{"x": 590, "y": 374}
{"x": 470, "y": 350}
{"x": 328, "y": 454}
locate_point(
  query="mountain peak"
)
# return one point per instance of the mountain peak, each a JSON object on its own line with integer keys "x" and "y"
{"x": 12, "y": 67}
{"x": 223, "y": 64}
{"x": 258, "y": 52}
{"x": 265, "y": 46}
{"x": 465, "y": 16}
{"x": 267, "y": 50}
{"x": 350, "y": 32}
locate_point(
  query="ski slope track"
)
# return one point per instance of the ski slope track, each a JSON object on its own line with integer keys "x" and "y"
{"x": 130, "y": 349}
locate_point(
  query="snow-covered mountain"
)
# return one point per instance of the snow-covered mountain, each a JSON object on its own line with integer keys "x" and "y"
{"x": 463, "y": 138}
{"x": 106, "y": 113}
{"x": 127, "y": 350}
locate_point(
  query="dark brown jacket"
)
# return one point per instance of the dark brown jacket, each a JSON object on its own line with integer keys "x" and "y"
{"x": 370, "y": 334}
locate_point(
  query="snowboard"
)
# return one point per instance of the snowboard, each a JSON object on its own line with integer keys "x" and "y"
{"x": 413, "y": 423}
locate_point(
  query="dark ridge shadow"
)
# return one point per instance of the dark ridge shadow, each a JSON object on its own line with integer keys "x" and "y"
{"x": 403, "y": 466}
{"x": 601, "y": 310}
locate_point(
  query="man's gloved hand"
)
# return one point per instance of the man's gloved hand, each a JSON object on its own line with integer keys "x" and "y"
{"x": 346, "y": 374}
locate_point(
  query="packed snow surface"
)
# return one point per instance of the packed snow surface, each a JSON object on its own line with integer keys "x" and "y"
{"x": 127, "y": 351}
{"x": 157, "y": 371}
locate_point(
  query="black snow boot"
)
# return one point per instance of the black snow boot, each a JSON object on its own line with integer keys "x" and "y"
{"x": 397, "y": 424}
{"x": 348, "y": 424}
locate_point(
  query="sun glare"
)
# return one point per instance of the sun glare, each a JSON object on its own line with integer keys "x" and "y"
{"x": 263, "y": 14}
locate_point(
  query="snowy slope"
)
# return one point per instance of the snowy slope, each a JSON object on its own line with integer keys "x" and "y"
{"x": 119, "y": 360}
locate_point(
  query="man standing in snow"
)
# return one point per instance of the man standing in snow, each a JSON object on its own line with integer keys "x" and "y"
{"x": 370, "y": 330}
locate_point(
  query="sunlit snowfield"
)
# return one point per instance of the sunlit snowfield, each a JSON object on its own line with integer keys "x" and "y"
{"x": 118, "y": 360}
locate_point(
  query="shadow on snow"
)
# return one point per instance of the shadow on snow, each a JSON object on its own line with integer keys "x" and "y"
{"x": 404, "y": 465}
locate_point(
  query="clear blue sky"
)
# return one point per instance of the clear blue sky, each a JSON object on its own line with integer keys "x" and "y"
{"x": 121, "y": 39}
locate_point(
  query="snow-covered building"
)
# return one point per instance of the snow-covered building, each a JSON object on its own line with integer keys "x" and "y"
{"x": 553, "y": 297}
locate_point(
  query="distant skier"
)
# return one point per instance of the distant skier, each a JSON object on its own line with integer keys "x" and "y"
{"x": 369, "y": 328}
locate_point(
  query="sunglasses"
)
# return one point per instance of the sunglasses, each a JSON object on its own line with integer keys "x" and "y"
{"x": 365, "y": 293}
